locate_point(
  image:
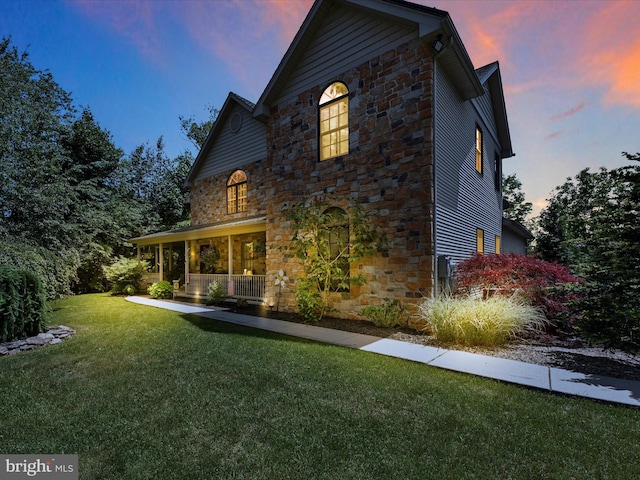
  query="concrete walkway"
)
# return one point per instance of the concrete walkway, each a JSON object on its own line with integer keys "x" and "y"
{"x": 547, "y": 378}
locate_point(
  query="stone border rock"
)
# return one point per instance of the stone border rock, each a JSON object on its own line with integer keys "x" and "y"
{"x": 53, "y": 336}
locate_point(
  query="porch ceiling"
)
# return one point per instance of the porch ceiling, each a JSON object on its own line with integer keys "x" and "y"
{"x": 218, "y": 229}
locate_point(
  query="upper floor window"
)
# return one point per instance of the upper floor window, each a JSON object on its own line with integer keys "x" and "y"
{"x": 479, "y": 149}
{"x": 237, "y": 192}
{"x": 334, "y": 121}
{"x": 497, "y": 180}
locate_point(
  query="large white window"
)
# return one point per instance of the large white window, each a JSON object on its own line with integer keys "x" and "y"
{"x": 334, "y": 121}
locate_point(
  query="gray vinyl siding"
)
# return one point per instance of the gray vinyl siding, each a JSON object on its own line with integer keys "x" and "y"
{"x": 233, "y": 150}
{"x": 485, "y": 111}
{"x": 465, "y": 199}
{"x": 347, "y": 38}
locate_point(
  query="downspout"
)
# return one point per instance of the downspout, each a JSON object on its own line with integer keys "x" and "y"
{"x": 435, "y": 182}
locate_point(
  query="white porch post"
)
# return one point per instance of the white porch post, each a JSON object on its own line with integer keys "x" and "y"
{"x": 161, "y": 262}
{"x": 186, "y": 262}
{"x": 230, "y": 256}
{"x": 230, "y": 259}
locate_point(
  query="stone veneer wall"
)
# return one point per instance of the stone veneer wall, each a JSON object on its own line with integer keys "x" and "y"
{"x": 209, "y": 195}
{"x": 389, "y": 169}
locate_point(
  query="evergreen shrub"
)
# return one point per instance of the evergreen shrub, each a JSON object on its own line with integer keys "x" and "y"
{"x": 125, "y": 271}
{"x": 215, "y": 295}
{"x": 23, "y": 306}
{"x": 55, "y": 269}
{"x": 162, "y": 289}
{"x": 386, "y": 315}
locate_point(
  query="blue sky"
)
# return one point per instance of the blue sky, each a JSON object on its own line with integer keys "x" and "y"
{"x": 570, "y": 69}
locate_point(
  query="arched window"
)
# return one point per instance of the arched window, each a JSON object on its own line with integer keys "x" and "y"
{"x": 237, "y": 192}
{"x": 337, "y": 244}
{"x": 334, "y": 121}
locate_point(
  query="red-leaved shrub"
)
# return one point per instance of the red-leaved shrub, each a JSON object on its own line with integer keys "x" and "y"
{"x": 540, "y": 282}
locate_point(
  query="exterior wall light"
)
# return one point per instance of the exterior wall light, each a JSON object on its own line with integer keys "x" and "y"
{"x": 438, "y": 45}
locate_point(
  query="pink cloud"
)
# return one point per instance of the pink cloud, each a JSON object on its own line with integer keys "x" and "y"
{"x": 240, "y": 34}
{"x": 559, "y": 133}
{"x": 572, "y": 111}
{"x": 133, "y": 20}
{"x": 610, "y": 57}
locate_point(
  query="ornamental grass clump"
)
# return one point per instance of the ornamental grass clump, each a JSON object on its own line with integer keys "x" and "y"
{"x": 473, "y": 321}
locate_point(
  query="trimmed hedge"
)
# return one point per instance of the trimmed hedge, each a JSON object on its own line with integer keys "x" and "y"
{"x": 22, "y": 304}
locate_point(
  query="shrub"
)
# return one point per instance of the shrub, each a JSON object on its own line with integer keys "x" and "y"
{"x": 22, "y": 304}
{"x": 473, "y": 321}
{"x": 56, "y": 270}
{"x": 216, "y": 295}
{"x": 162, "y": 289}
{"x": 242, "y": 303}
{"x": 540, "y": 282}
{"x": 309, "y": 301}
{"x": 129, "y": 290}
{"x": 386, "y": 315}
{"x": 125, "y": 271}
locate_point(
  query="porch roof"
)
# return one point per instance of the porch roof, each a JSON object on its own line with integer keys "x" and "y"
{"x": 194, "y": 232}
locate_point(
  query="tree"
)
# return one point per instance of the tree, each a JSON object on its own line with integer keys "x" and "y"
{"x": 156, "y": 181}
{"x": 61, "y": 205}
{"x": 518, "y": 209}
{"x": 197, "y": 132}
{"x": 592, "y": 225}
{"x": 35, "y": 114}
{"x": 327, "y": 240}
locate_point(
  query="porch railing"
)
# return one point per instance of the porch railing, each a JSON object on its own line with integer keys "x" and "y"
{"x": 150, "y": 278}
{"x": 245, "y": 286}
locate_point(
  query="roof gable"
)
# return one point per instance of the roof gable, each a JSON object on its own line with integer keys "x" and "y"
{"x": 224, "y": 116}
{"x": 426, "y": 21}
{"x": 490, "y": 75}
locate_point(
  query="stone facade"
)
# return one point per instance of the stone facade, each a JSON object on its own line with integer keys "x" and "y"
{"x": 389, "y": 171}
{"x": 209, "y": 196}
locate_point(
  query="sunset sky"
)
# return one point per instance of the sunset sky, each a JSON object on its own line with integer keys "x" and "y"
{"x": 570, "y": 69}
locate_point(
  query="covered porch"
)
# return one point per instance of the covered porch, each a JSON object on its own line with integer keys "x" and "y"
{"x": 232, "y": 253}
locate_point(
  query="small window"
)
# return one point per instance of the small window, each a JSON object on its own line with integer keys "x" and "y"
{"x": 334, "y": 121}
{"x": 497, "y": 243}
{"x": 479, "y": 150}
{"x": 237, "y": 192}
{"x": 498, "y": 172}
{"x": 480, "y": 241}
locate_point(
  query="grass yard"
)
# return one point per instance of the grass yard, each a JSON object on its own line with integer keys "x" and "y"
{"x": 142, "y": 393}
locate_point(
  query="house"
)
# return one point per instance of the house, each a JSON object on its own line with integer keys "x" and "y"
{"x": 515, "y": 237}
{"x": 375, "y": 101}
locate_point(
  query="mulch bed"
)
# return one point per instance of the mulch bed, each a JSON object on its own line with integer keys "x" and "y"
{"x": 577, "y": 362}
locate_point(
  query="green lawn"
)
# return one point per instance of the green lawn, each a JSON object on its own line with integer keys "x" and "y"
{"x": 145, "y": 393}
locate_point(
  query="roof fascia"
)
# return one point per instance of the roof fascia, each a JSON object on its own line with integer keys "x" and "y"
{"x": 517, "y": 228}
{"x": 469, "y": 85}
{"x": 261, "y": 110}
{"x": 218, "y": 230}
{"x": 213, "y": 134}
{"x": 494, "y": 79}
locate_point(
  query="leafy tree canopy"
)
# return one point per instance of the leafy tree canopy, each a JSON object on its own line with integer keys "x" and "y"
{"x": 518, "y": 208}
{"x": 592, "y": 224}
{"x": 197, "y": 132}
{"x": 67, "y": 188}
